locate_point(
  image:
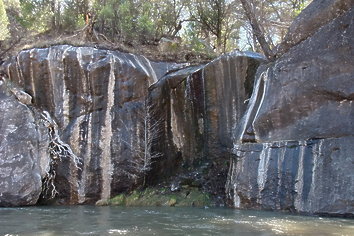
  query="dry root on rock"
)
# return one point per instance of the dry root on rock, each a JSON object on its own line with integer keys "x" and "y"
{"x": 58, "y": 150}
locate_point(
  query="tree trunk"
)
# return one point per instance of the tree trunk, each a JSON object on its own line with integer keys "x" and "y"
{"x": 257, "y": 30}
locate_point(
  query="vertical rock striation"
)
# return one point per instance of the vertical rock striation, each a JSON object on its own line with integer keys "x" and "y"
{"x": 313, "y": 176}
{"x": 301, "y": 117}
{"x": 197, "y": 110}
{"x": 288, "y": 145}
{"x": 97, "y": 98}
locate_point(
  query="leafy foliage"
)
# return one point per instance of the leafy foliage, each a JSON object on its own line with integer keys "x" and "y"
{"x": 4, "y": 32}
{"x": 212, "y": 26}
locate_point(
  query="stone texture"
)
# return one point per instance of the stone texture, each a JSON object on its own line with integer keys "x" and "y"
{"x": 308, "y": 93}
{"x": 197, "y": 110}
{"x": 314, "y": 176}
{"x": 294, "y": 146}
{"x": 22, "y": 152}
{"x": 316, "y": 15}
{"x": 289, "y": 146}
{"x": 97, "y": 98}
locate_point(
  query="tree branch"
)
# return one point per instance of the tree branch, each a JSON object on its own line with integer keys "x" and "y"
{"x": 257, "y": 30}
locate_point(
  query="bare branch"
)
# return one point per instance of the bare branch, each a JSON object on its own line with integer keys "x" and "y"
{"x": 58, "y": 150}
{"x": 257, "y": 30}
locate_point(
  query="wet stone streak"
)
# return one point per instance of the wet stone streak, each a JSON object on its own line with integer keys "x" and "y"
{"x": 313, "y": 176}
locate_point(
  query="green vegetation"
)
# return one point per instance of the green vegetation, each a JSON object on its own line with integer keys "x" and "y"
{"x": 4, "y": 32}
{"x": 208, "y": 26}
{"x": 187, "y": 196}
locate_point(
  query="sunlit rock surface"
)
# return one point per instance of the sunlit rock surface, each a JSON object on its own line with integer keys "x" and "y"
{"x": 309, "y": 92}
{"x": 305, "y": 98}
{"x": 22, "y": 152}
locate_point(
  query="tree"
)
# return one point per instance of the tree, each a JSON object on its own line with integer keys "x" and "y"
{"x": 140, "y": 145}
{"x": 257, "y": 31}
{"x": 4, "y": 22}
{"x": 274, "y": 18}
{"x": 211, "y": 26}
{"x": 169, "y": 17}
{"x": 58, "y": 150}
{"x": 214, "y": 19}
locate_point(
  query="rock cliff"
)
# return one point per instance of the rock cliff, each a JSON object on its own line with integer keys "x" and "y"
{"x": 271, "y": 135}
{"x": 97, "y": 98}
{"x": 197, "y": 111}
{"x": 301, "y": 116}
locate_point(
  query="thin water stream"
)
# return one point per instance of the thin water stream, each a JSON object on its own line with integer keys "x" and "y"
{"x": 90, "y": 220}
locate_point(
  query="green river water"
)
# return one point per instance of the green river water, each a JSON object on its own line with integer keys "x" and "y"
{"x": 91, "y": 220}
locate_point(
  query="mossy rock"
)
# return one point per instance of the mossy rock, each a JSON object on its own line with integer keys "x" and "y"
{"x": 102, "y": 203}
{"x": 188, "y": 196}
{"x": 172, "y": 202}
{"x": 118, "y": 200}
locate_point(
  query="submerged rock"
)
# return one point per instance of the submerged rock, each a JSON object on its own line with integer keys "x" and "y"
{"x": 187, "y": 196}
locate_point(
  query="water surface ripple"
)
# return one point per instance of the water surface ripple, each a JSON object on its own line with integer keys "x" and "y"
{"x": 90, "y": 220}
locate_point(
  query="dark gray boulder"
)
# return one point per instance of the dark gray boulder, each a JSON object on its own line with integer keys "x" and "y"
{"x": 23, "y": 156}
{"x": 309, "y": 91}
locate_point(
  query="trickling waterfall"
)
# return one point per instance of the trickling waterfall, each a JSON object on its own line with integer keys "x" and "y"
{"x": 85, "y": 168}
{"x": 252, "y": 109}
{"x": 299, "y": 182}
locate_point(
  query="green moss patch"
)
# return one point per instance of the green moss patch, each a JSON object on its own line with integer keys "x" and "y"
{"x": 187, "y": 196}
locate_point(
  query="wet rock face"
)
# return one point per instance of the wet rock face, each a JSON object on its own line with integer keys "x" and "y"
{"x": 313, "y": 176}
{"x": 289, "y": 145}
{"x": 97, "y": 98}
{"x": 309, "y": 92}
{"x": 305, "y": 96}
{"x": 197, "y": 110}
{"x": 22, "y": 152}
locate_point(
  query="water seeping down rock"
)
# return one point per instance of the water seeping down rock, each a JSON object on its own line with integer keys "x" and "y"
{"x": 97, "y": 98}
{"x": 121, "y": 130}
{"x": 280, "y": 137}
{"x": 197, "y": 110}
{"x": 301, "y": 115}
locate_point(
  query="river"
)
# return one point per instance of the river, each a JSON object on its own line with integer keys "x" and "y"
{"x": 91, "y": 220}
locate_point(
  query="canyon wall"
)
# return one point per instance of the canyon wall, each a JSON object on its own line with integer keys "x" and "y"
{"x": 294, "y": 147}
{"x": 97, "y": 98}
{"x": 197, "y": 111}
{"x": 127, "y": 127}
{"x": 254, "y": 134}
